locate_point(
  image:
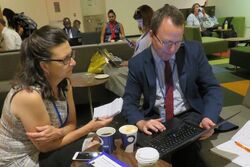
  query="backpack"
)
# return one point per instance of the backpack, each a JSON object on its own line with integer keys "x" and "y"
{"x": 26, "y": 22}
{"x": 230, "y": 34}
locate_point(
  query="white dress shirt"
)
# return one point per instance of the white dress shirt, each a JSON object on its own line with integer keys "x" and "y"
{"x": 10, "y": 39}
{"x": 180, "y": 102}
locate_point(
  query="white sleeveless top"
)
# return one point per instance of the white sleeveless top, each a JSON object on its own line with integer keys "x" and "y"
{"x": 15, "y": 148}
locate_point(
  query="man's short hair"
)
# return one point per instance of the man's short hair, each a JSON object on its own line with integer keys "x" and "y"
{"x": 2, "y": 22}
{"x": 167, "y": 11}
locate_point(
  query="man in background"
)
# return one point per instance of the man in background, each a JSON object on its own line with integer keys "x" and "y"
{"x": 69, "y": 30}
{"x": 76, "y": 25}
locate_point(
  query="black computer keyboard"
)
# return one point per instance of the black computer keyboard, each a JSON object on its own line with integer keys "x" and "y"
{"x": 169, "y": 141}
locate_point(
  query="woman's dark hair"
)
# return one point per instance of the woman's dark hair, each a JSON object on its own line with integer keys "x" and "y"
{"x": 145, "y": 13}
{"x": 111, "y": 11}
{"x": 9, "y": 14}
{"x": 34, "y": 49}
{"x": 166, "y": 11}
{"x": 194, "y": 6}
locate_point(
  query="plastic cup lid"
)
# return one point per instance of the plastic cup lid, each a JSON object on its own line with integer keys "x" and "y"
{"x": 147, "y": 155}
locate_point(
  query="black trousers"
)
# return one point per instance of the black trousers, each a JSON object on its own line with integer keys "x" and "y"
{"x": 61, "y": 157}
{"x": 188, "y": 156}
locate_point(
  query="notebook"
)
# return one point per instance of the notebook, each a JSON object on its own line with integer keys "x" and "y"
{"x": 177, "y": 135}
{"x": 116, "y": 61}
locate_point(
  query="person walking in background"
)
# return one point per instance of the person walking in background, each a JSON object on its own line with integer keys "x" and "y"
{"x": 9, "y": 38}
{"x": 112, "y": 30}
{"x": 76, "y": 25}
{"x": 143, "y": 16}
{"x": 69, "y": 30}
{"x": 175, "y": 80}
{"x": 118, "y": 76}
{"x": 38, "y": 118}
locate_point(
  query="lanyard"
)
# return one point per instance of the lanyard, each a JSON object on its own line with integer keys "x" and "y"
{"x": 161, "y": 86}
{"x": 59, "y": 115}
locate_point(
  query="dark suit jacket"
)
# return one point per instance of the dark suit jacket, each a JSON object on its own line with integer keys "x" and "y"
{"x": 197, "y": 82}
{"x": 75, "y": 32}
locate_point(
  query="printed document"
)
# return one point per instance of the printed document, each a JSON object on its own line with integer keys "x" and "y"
{"x": 107, "y": 161}
{"x": 109, "y": 110}
{"x": 242, "y": 137}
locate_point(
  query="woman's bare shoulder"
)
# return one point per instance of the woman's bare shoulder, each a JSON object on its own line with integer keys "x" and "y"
{"x": 26, "y": 100}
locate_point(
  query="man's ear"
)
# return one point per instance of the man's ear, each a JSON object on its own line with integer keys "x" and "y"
{"x": 44, "y": 67}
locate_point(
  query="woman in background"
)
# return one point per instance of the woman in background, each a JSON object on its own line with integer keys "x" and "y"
{"x": 39, "y": 115}
{"x": 198, "y": 17}
{"x": 118, "y": 76}
{"x": 143, "y": 15}
{"x": 112, "y": 31}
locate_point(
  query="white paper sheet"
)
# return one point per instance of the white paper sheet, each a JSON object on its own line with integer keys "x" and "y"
{"x": 243, "y": 137}
{"x": 102, "y": 161}
{"x": 108, "y": 110}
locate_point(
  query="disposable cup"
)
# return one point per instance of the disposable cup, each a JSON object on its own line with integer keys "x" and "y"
{"x": 147, "y": 157}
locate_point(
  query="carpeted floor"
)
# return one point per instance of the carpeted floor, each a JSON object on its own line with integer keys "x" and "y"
{"x": 234, "y": 83}
{"x": 239, "y": 87}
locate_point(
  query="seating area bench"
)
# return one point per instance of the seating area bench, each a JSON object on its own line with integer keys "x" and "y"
{"x": 10, "y": 60}
{"x": 210, "y": 44}
{"x": 83, "y": 57}
{"x": 240, "y": 57}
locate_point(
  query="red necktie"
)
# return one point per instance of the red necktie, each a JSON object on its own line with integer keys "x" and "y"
{"x": 169, "y": 102}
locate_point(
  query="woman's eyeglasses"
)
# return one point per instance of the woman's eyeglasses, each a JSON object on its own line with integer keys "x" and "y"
{"x": 168, "y": 43}
{"x": 66, "y": 60}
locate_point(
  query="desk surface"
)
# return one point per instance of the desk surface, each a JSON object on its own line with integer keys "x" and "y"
{"x": 128, "y": 158}
{"x": 85, "y": 80}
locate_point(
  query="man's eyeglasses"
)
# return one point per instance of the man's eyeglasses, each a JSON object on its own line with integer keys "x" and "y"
{"x": 168, "y": 43}
{"x": 66, "y": 60}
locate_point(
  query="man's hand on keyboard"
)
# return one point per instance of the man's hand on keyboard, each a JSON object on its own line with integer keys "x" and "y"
{"x": 154, "y": 125}
{"x": 207, "y": 123}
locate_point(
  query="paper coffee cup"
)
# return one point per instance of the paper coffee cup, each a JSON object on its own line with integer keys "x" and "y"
{"x": 129, "y": 137}
{"x": 147, "y": 157}
{"x": 106, "y": 136}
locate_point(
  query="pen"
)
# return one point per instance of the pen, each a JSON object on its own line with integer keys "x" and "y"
{"x": 242, "y": 146}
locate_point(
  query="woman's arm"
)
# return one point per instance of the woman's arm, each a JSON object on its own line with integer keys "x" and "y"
{"x": 34, "y": 107}
{"x": 48, "y": 133}
{"x": 122, "y": 31}
{"x": 103, "y": 33}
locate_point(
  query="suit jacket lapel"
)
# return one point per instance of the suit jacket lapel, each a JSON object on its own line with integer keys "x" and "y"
{"x": 149, "y": 68}
{"x": 181, "y": 66}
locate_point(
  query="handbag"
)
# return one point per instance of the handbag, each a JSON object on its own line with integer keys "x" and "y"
{"x": 97, "y": 63}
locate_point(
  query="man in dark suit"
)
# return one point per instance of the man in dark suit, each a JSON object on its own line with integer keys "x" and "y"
{"x": 175, "y": 80}
{"x": 69, "y": 30}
